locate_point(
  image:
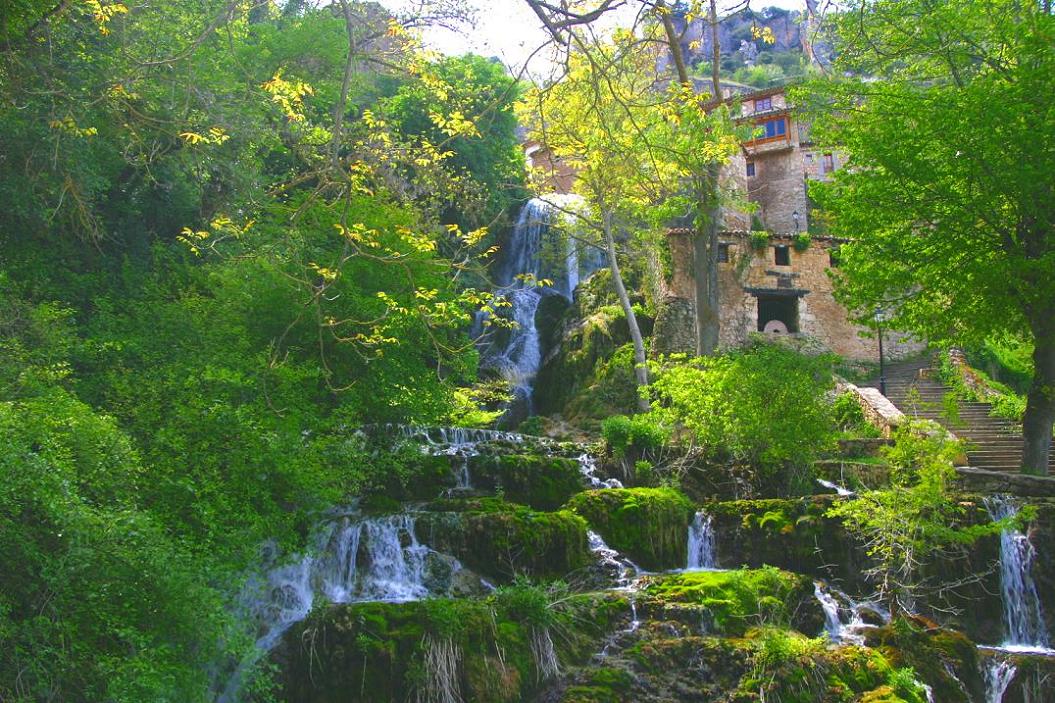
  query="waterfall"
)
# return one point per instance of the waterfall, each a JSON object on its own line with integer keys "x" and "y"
{"x": 519, "y": 359}
{"x": 1022, "y": 611}
{"x": 832, "y": 623}
{"x": 843, "y": 616}
{"x": 845, "y": 492}
{"x": 702, "y": 550}
{"x": 623, "y": 569}
{"x": 351, "y": 560}
{"x": 588, "y": 469}
{"x": 999, "y": 673}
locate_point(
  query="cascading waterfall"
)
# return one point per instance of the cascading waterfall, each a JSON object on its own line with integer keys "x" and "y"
{"x": 703, "y": 552}
{"x": 351, "y": 560}
{"x": 839, "y": 490}
{"x": 999, "y": 673}
{"x": 1022, "y": 611}
{"x": 588, "y": 469}
{"x": 843, "y": 619}
{"x": 624, "y": 569}
{"x": 519, "y": 359}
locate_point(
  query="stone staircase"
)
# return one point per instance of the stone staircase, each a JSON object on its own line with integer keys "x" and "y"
{"x": 994, "y": 444}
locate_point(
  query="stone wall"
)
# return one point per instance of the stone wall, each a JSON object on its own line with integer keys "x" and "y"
{"x": 803, "y": 287}
{"x": 779, "y": 188}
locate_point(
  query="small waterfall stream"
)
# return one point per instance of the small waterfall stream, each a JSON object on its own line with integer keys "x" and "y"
{"x": 999, "y": 673}
{"x": 703, "y": 552}
{"x": 518, "y": 360}
{"x": 1023, "y": 617}
{"x": 353, "y": 559}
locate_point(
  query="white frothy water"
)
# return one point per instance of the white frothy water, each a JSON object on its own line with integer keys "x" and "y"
{"x": 351, "y": 560}
{"x": 1023, "y": 617}
{"x": 519, "y": 360}
{"x": 835, "y": 487}
{"x": 999, "y": 673}
{"x": 588, "y": 469}
{"x": 843, "y": 621}
{"x": 703, "y": 552}
{"x": 609, "y": 558}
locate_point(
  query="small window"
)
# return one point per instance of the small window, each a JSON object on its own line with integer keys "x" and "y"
{"x": 828, "y": 164}
{"x": 833, "y": 257}
{"x": 782, "y": 255}
{"x": 776, "y": 128}
{"x": 750, "y": 169}
{"x": 723, "y": 253}
{"x": 763, "y": 104}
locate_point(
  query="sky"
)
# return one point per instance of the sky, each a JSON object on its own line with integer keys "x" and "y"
{"x": 509, "y": 30}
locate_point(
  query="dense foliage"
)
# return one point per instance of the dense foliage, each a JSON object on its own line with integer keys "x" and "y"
{"x": 939, "y": 109}
{"x": 765, "y": 405}
{"x": 231, "y": 238}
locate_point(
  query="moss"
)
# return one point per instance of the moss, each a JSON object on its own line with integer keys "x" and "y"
{"x": 373, "y": 652}
{"x": 649, "y": 525}
{"x": 933, "y": 653}
{"x": 733, "y": 601}
{"x": 501, "y": 540}
{"x": 543, "y": 482}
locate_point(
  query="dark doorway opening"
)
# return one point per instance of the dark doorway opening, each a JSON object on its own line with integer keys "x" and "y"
{"x": 782, "y": 309}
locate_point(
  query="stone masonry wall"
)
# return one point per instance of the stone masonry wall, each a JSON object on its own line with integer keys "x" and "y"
{"x": 752, "y": 273}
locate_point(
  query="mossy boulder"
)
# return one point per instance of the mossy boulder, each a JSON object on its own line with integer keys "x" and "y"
{"x": 944, "y": 659}
{"x": 540, "y": 481}
{"x": 731, "y": 602}
{"x": 649, "y": 525}
{"x": 793, "y": 534}
{"x": 381, "y": 652}
{"x": 501, "y": 540}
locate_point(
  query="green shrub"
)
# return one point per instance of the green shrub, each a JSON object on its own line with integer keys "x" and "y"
{"x": 802, "y": 241}
{"x": 847, "y": 412}
{"x": 639, "y": 433}
{"x": 765, "y": 405}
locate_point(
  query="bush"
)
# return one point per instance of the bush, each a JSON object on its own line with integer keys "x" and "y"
{"x": 847, "y": 412}
{"x": 639, "y": 433}
{"x": 766, "y": 405}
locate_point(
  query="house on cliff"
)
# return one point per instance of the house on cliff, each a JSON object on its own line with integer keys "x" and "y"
{"x": 774, "y": 265}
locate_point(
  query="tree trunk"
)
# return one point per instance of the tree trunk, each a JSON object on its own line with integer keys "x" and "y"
{"x": 640, "y": 362}
{"x": 1040, "y": 403}
{"x": 708, "y": 203}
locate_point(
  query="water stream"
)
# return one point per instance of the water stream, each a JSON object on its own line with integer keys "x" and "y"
{"x": 999, "y": 673}
{"x": 1023, "y": 616}
{"x": 703, "y": 552}
{"x": 352, "y": 559}
{"x": 528, "y": 261}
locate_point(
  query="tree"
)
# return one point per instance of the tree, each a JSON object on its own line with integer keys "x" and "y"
{"x": 948, "y": 195}
{"x": 701, "y": 167}
{"x": 598, "y": 119}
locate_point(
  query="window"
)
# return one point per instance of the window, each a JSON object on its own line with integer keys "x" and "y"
{"x": 833, "y": 257}
{"x": 763, "y": 104}
{"x": 778, "y": 314}
{"x": 782, "y": 255}
{"x": 775, "y": 128}
{"x": 750, "y": 169}
{"x": 723, "y": 253}
{"x": 828, "y": 164}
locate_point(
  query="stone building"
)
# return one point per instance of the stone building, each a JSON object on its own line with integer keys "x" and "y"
{"x": 771, "y": 284}
{"x": 772, "y": 281}
{"x": 776, "y": 280}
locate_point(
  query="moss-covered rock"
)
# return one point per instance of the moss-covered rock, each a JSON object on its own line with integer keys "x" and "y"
{"x": 502, "y": 540}
{"x": 387, "y": 652}
{"x": 944, "y": 659}
{"x": 649, "y": 525}
{"x": 731, "y": 602}
{"x": 541, "y": 481}
{"x": 791, "y": 534}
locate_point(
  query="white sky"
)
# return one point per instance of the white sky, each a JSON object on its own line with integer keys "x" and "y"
{"x": 509, "y": 30}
